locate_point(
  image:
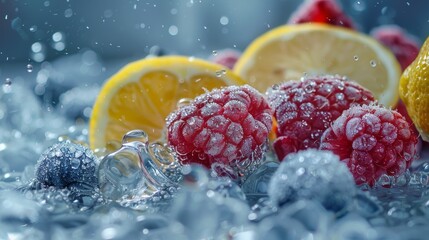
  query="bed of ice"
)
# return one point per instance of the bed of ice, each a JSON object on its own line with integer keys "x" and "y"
{"x": 159, "y": 199}
{"x": 42, "y": 115}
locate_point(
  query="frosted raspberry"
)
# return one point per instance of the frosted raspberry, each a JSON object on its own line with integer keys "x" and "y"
{"x": 222, "y": 126}
{"x": 226, "y": 57}
{"x": 321, "y": 11}
{"x": 405, "y": 46}
{"x": 305, "y": 109}
{"x": 372, "y": 141}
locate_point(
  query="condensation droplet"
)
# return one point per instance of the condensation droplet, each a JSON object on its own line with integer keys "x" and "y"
{"x": 214, "y": 52}
{"x": 135, "y": 135}
{"x": 183, "y": 102}
{"x": 373, "y": 63}
{"x": 356, "y": 57}
{"x": 75, "y": 163}
{"x": 220, "y": 73}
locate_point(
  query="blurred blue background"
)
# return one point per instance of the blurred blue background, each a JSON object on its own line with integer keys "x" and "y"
{"x": 34, "y": 31}
{"x": 117, "y": 29}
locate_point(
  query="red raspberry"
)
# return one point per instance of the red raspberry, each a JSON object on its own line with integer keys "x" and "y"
{"x": 305, "y": 109}
{"x": 227, "y": 58}
{"x": 321, "y": 11}
{"x": 405, "y": 46}
{"x": 372, "y": 141}
{"x": 222, "y": 126}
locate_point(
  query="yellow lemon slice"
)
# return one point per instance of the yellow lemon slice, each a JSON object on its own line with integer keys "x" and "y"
{"x": 414, "y": 90}
{"x": 288, "y": 52}
{"x": 143, "y": 93}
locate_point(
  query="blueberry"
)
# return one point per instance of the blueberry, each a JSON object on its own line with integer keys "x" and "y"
{"x": 314, "y": 175}
{"x": 66, "y": 164}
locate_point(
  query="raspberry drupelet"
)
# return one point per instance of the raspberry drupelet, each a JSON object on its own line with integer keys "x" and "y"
{"x": 222, "y": 126}
{"x": 305, "y": 109}
{"x": 372, "y": 141}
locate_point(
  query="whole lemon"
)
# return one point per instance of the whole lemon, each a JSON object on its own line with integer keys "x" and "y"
{"x": 414, "y": 90}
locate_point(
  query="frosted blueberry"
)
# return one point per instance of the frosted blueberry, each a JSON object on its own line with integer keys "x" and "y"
{"x": 316, "y": 175}
{"x": 65, "y": 164}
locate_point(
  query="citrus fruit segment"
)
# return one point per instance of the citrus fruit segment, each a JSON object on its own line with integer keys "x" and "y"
{"x": 144, "y": 92}
{"x": 414, "y": 90}
{"x": 288, "y": 52}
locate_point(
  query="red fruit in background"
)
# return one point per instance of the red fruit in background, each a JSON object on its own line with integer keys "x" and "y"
{"x": 305, "y": 109}
{"x": 226, "y": 57}
{"x": 222, "y": 126}
{"x": 405, "y": 46}
{"x": 321, "y": 11}
{"x": 372, "y": 141}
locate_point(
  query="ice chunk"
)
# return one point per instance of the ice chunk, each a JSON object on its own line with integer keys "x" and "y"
{"x": 256, "y": 184}
{"x": 313, "y": 174}
{"x": 206, "y": 214}
{"x": 138, "y": 169}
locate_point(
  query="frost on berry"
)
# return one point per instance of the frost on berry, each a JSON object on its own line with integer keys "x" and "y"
{"x": 225, "y": 126}
{"x": 305, "y": 109}
{"x": 372, "y": 141}
{"x": 316, "y": 175}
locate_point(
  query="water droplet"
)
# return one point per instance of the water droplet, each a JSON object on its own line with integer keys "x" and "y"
{"x": 173, "y": 30}
{"x": 220, "y": 73}
{"x": 275, "y": 87}
{"x": 359, "y": 6}
{"x": 57, "y": 37}
{"x": 173, "y": 11}
{"x": 75, "y": 163}
{"x": 383, "y": 10}
{"x": 356, "y": 57}
{"x": 68, "y": 13}
{"x": 135, "y": 135}
{"x": 33, "y": 28}
{"x": 373, "y": 63}
{"x": 224, "y": 20}
{"x": 214, "y": 52}
{"x": 184, "y": 102}
{"x": 29, "y": 68}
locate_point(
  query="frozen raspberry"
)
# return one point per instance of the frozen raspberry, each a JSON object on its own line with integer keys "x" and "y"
{"x": 227, "y": 58}
{"x": 222, "y": 126}
{"x": 321, "y": 11}
{"x": 305, "y": 109}
{"x": 405, "y": 46}
{"x": 372, "y": 141}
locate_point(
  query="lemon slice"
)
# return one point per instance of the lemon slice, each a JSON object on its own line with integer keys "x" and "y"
{"x": 288, "y": 52}
{"x": 143, "y": 93}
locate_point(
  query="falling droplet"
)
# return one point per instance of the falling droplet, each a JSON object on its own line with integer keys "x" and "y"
{"x": 8, "y": 82}
{"x": 29, "y": 68}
